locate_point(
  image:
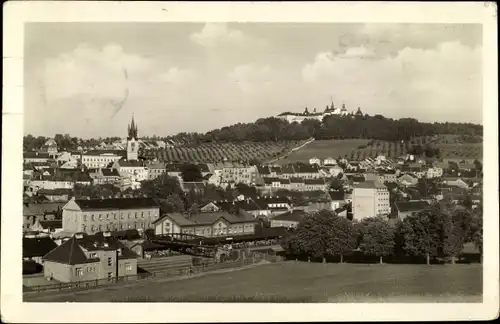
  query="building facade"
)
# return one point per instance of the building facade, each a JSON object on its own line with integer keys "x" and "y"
{"x": 370, "y": 199}
{"x": 90, "y": 257}
{"x": 97, "y": 215}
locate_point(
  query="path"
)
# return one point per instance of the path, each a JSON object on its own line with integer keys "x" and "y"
{"x": 309, "y": 141}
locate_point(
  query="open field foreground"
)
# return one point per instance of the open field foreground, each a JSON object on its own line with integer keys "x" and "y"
{"x": 303, "y": 282}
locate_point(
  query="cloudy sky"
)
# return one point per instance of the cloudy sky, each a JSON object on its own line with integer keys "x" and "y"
{"x": 87, "y": 79}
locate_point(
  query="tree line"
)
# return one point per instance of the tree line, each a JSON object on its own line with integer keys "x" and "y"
{"x": 439, "y": 232}
{"x": 375, "y": 127}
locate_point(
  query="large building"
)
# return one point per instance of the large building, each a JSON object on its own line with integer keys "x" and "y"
{"x": 208, "y": 224}
{"x": 98, "y": 215}
{"x": 101, "y": 158}
{"x": 370, "y": 199}
{"x": 300, "y": 117}
{"x": 90, "y": 257}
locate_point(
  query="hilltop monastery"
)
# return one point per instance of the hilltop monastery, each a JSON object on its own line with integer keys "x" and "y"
{"x": 330, "y": 110}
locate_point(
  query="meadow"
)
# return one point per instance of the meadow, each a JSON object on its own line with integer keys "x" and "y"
{"x": 302, "y": 282}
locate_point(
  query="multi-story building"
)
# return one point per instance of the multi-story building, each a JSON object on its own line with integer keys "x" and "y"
{"x": 407, "y": 208}
{"x": 208, "y": 224}
{"x": 370, "y": 199}
{"x": 101, "y": 158}
{"x": 434, "y": 172}
{"x": 237, "y": 173}
{"x": 290, "y": 219}
{"x": 133, "y": 169}
{"x": 29, "y": 157}
{"x": 107, "y": 176}
{"x": 98, "y": 215}
{"x": 155, "y": 170}
{"x": 90, "y": 257}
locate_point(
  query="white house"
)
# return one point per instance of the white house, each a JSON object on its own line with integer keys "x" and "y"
{"x": 314, "y": 160}
{"x": 329, "y": 161}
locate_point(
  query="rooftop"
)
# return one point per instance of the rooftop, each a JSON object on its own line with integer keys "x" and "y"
{"x": 410, "y": 206}
{"x": 116, "y": 203}
{"x": 371, "y": 185}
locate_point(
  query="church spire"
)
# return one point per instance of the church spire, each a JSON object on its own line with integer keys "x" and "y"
{"x": 132, "y": 129}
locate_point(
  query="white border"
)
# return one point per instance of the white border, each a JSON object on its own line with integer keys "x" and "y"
{"x": 18, "y": 12}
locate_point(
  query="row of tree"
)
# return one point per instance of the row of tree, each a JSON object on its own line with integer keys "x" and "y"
{"x": 439, "y": 232}
{"x": 373, "y": 127}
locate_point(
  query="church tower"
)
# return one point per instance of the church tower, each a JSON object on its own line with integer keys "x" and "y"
{"x": 132, "y": 143}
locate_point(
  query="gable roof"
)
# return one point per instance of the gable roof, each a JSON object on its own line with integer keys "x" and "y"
{"x": 295, "y": 215}
{"x": 37, "y": 247}
{"x": 336, "y": 195}
{"x": 371, "y": 185}
{"x": 410, "y": 206}
{"x": 116, "y": 203}
{"x": 71, "y": 251}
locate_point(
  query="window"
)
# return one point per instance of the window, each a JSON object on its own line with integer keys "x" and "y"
{"x": 128, "y": 267}
{"x": 79, "y": 272}
{"x": 110, "y": 262}
{"x": 100, "y": 216}
{"x": 115, "y": 216}
{"x": 93, "y": 255}
{"x": 92, "y": 217}
{"x": 107, "y": 216}
{"x": 84, "y": 218}
{"x": 84, "y": 228}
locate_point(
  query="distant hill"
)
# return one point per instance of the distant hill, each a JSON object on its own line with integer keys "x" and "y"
{"x": 332, "y": 127}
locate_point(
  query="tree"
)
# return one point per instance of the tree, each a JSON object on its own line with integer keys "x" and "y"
{"x": 336, "y": 184}
{"x": 377, "y": 237}
{"x": 191, "y": 173}
{"x": 323, "y": 234}
{"x": 246, "y": 190}
{"x": 161, "y": 187}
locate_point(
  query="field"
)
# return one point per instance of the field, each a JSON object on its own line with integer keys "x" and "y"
{"x": 220, "y": 152}
{"x": 452, "y": 149}
{"x": 304, "y": 282}
{"x": 323, "y": 149}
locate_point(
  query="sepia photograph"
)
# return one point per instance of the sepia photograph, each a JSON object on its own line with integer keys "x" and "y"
{"x": 276, "y": 162}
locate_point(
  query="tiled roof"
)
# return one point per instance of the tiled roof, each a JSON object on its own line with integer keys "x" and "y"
{"x": 288, "y": 169}
{"x": 276, "y": 170}
{"x": 263, "y": 170}
{"x": 51, "y": 224}
{"x": 41, "y": 209}
{"x": 108, "y": 172}
{"x": 208, "y": 218}
{"x": 37, "y": 247}
{"x": 36, "y": 155}
{"x": 295, "y": 215}
{"x": 70, "y": 252}
{"x": 116, "y": 203}
{"x": 371, "y": 185}
{"x": 314, "y": 181}
{"x": 306, "y": 169}
{"x": 131, "y": 164}
{"x": 122, "y": 153}
{"x": 54, "y": 192}
{"x": 336, "y": 195}
{"x": 409, "y": 206}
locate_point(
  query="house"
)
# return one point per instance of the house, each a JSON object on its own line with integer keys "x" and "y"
{"x": 46, "y": 226}
{"x": 35, "y": 248}
{"x": 56, "y": 195}
{"x": 407, "y": 208}
{"x": 29, "y": 157}
{"x": 314, "y": 160}
{"x": 193, "y": 186}
{"x": 336, "y": 170}
{"x": 315, "y": 184}
{"x": 96, "y": 215}
{"x": 455, "y": 182}
{"x": 329, "y": 161}
{"x": 155, "y": 170}
{"x": 307, "y": 171}
{"x": 466, "y": 167}
{"x": 289, "y": 219}
{"x": 390, "y": 175}
{"x": 407, "y": 180}
{"x": 90, "y": 257}
{"x": 208, "y": 224}
{"x": 337, "y": 199}
{"x": 134, "y": 169}
{"x": 101, "y": 158}
{"x": 107, "y": 176}
{"x": 43, "y": 211}
{"x": 372, "y": 176}
{"x": 370, "y": 199}
{"x": 434, "y": 172}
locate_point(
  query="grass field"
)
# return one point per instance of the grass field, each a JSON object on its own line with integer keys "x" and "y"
{"x": 304, "y": 282}
{"x": 323, "y": 149}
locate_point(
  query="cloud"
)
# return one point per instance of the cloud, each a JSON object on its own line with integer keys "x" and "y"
{"x": 215, "y": 35}
{"x": 251, "y": 78}
{"x": 426, "y": 83}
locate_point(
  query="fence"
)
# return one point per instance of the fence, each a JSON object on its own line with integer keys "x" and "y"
{"x": 172, "y": 273}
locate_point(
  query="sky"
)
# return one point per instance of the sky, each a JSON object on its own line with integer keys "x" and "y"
{"x": 87, "y": 79}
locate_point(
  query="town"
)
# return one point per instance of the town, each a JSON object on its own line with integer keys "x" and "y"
{"x": 115, "y": 212}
